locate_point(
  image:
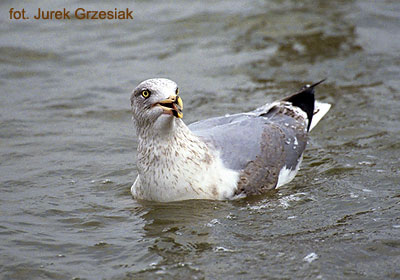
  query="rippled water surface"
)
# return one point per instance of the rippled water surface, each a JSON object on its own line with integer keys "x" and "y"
{"x": 68, "y": 147}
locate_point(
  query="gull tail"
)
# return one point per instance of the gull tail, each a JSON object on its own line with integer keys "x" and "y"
{"x": 320, "y": 111}
{"x": 305, "y": 100}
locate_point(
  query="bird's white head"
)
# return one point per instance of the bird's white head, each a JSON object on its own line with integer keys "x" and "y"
{"x": 155, "y": 100}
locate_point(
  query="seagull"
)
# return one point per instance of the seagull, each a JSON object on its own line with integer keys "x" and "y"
{"x": 219, "y": 158}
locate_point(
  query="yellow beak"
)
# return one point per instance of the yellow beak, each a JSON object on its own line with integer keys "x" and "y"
{"x": 173, "y": 105}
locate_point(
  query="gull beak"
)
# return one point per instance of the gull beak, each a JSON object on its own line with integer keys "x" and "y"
{"x": 173, "y": 105}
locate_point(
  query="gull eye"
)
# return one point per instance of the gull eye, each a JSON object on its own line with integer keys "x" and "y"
{"x": 145, "y": 93}
{"x": 177, "y": 91}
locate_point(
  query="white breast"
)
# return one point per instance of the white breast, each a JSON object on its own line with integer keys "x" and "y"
{"x": 182, "y": 167}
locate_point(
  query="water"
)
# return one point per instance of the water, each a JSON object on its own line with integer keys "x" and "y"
{"x": 68, "y": 146}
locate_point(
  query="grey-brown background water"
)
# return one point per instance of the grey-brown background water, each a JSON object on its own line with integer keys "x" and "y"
{"x": 67, "y": 144}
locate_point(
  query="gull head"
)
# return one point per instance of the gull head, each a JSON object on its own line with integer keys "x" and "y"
{"x": 155, "y": 100}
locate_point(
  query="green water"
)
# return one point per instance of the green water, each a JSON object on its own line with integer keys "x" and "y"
{"x": 68, "y": 147}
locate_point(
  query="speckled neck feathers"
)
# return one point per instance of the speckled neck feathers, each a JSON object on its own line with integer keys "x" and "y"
{"x": 174, "y": 164}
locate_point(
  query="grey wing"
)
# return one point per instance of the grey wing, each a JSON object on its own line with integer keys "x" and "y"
{"x": 234, "y": 137}
{"x": 257, "y": 144}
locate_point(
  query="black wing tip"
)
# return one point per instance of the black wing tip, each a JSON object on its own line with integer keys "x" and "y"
{"x": 304, "y": 99}
{"x": 315, "y": 84}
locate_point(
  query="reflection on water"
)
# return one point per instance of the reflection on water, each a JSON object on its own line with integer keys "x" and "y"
{"x": 68, "y": 147}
